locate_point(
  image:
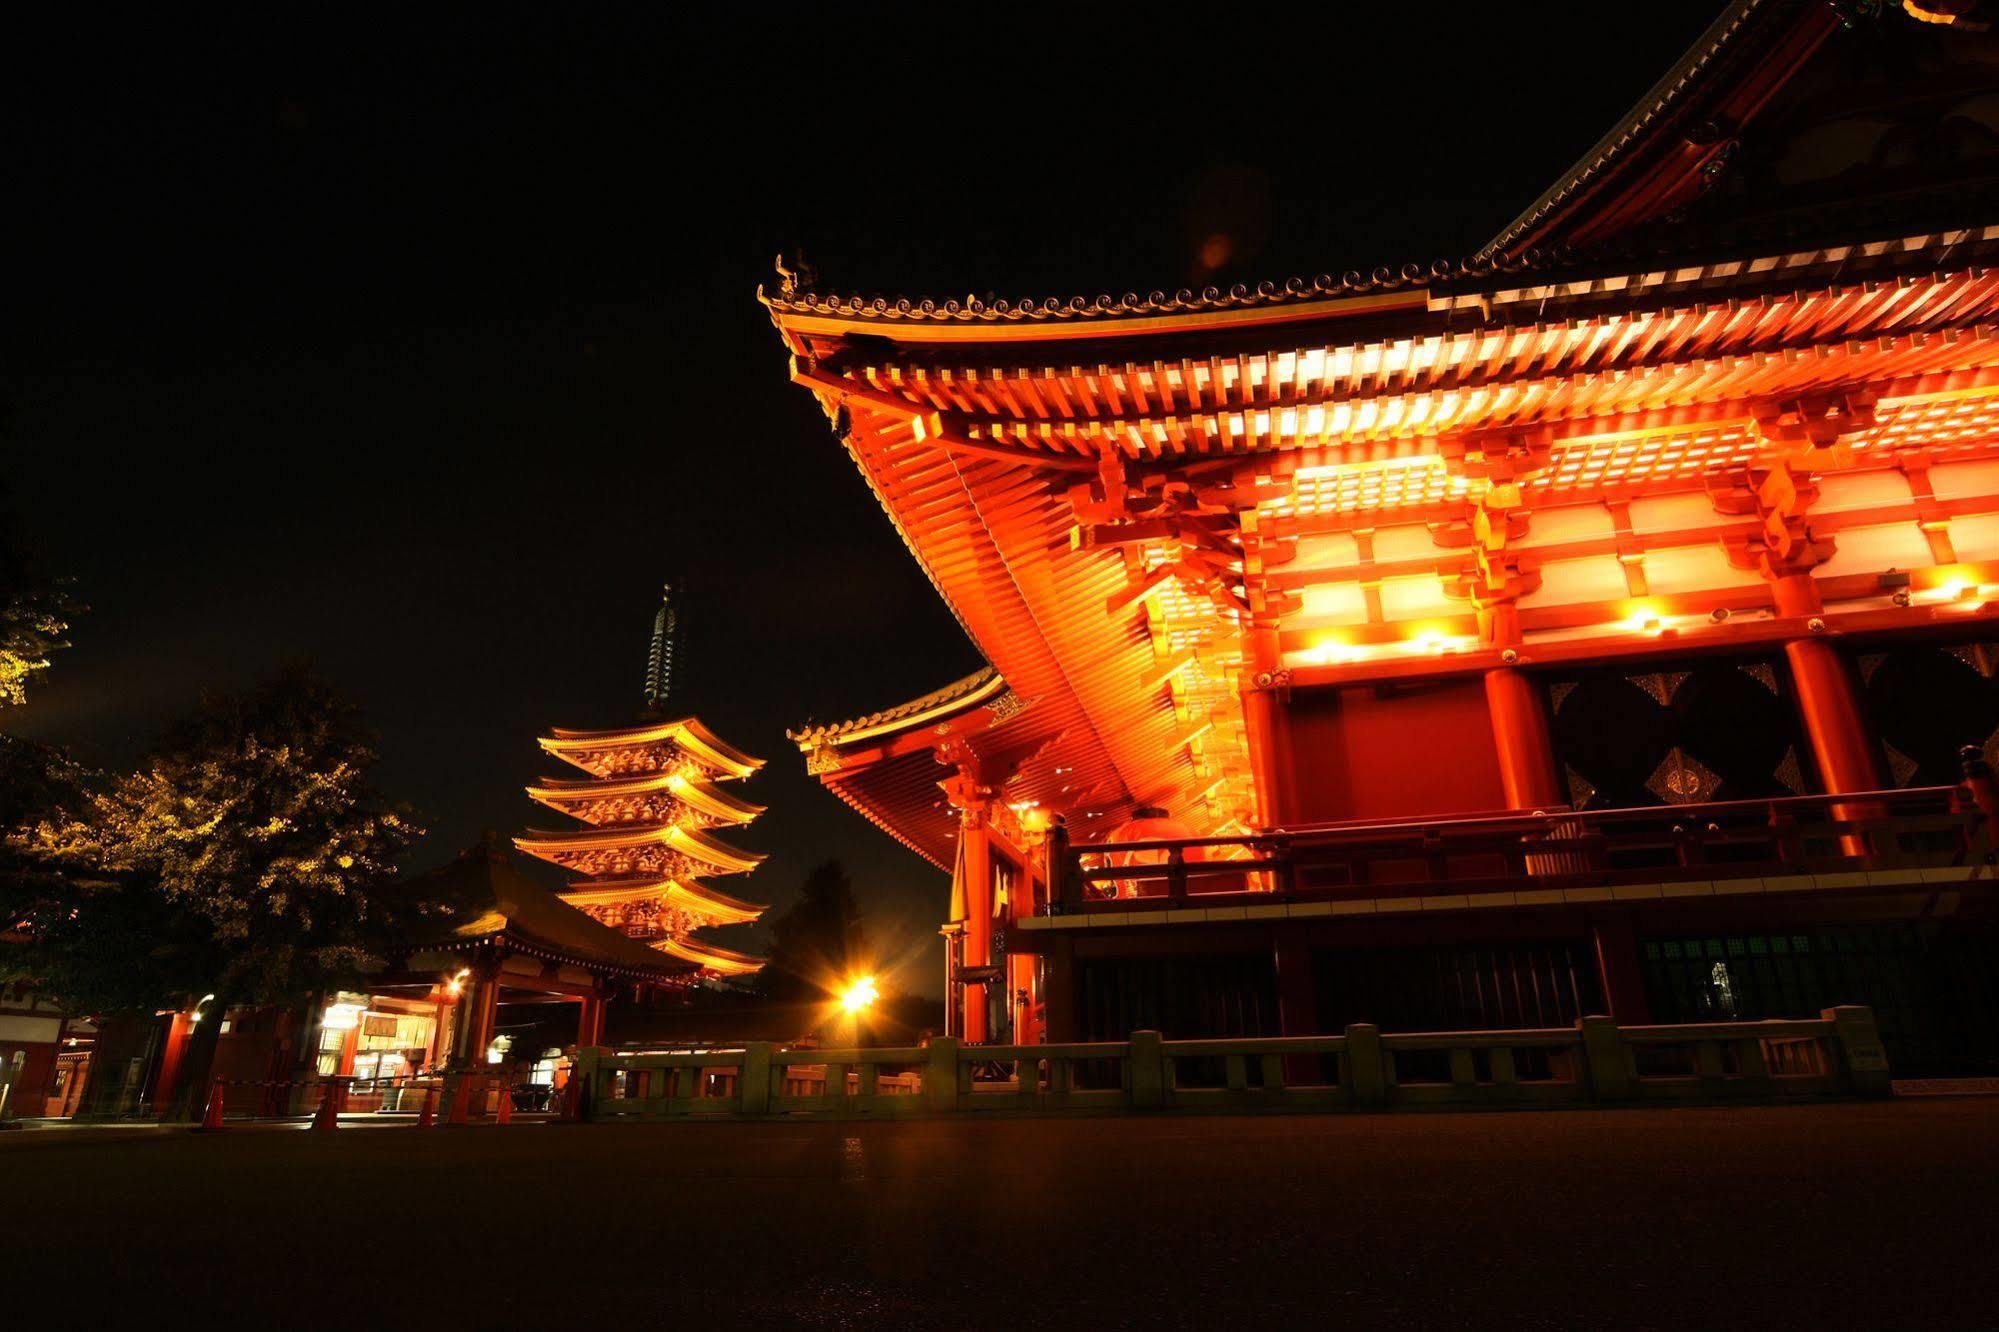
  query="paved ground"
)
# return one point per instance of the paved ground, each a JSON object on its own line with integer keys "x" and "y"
{"x": 1862, "y": 1215}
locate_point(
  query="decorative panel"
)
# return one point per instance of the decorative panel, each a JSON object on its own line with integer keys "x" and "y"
{"x": 1701, "y": 730}
{"x": 1926, "y": 701}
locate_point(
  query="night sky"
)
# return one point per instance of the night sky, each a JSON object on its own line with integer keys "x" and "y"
{"x": 425, "y": 349}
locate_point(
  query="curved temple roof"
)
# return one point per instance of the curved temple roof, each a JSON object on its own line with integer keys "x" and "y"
{"x": 687, "y": 733}
{"x": 1224, "y": 491}
{"x": 495, "y": 903}
{"x": 980, "y": 686}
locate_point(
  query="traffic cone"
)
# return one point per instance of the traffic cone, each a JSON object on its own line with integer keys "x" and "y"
{"x": 211, "y": 1118}
{"x": 503, "y": 1113}
{"x": 428, "y": 1115}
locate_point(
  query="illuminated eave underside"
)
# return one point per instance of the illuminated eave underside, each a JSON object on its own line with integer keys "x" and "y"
{"x": 687, "y": 734}
{"x": 575, "y": 798}
{"x": 679, "y": 894}
{"x": 555, "y": 847}
{"x": 710, "y": 957}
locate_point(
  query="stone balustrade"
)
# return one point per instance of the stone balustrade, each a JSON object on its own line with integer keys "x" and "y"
{"x": 1838, "y": 1054}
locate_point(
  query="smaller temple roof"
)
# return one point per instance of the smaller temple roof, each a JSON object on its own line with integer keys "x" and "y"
{"x": 490, "y": 901}
{"x": 976, "y": 688}
{"x": 688, "y": 733}
{"x": 886, "y": 764}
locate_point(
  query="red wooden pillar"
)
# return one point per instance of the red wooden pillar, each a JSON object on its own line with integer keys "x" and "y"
{"x": 954, "y": 987}
{"x": 590, "y": 1023}
{"x": 167, "y": 1085}
{"x": 1297, "y": 1001}
{"x": 1020, "y": 969}
{"x": 975, "y": 872}
{"x": 1060, "y": 996}
{"x": 1520, "y": 734}
{"x": 1827, "y": 701}
{"x": 1620, "y": 969}
{"x": 1298, "y": 1009}
{"x": 480, "y": 1005}
{"x": 1267, "y": 729}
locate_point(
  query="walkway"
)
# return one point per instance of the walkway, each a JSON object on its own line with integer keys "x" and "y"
{"x": 1852, "y": 1214}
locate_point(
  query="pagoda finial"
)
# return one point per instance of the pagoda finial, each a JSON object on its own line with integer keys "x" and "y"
{"x": 659, "y": 661}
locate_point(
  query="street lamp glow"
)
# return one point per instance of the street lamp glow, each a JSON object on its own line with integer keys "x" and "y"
{"x": 861, "y": 994}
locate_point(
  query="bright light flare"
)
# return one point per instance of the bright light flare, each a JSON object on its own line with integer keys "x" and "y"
{"x": 860, "y": 995}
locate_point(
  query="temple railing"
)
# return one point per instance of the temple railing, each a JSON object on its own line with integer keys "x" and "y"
{"x": 1837, "y": 1054}
{"x": 1541, "y": 853}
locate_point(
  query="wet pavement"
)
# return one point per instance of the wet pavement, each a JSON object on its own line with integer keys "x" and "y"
{"x": 1847, "y": 1215}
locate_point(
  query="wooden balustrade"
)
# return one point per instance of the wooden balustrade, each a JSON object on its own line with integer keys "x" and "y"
{"x": 1836, "y": 1054}
{"x": 1928, "y": 827}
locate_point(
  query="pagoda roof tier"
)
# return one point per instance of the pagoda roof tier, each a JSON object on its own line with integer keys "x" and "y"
{"x": 651, "y": 748}
{"x": 710, "y": 957}
{"x": 641, "y": 799}
{"x": 686, "y": 895}
{"x": 668, "y": 852}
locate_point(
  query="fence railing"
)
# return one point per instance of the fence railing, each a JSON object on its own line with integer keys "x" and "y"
{"x": 447, "y": 1097}
{"x": 1836, "y": 1054}
{"x": 1512, "y": 851}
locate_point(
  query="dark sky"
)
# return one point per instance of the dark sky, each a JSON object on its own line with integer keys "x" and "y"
{"x": 425, "y": 348}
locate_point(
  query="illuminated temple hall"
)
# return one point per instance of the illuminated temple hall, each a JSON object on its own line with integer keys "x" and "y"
{"x": 1588, "y": 626}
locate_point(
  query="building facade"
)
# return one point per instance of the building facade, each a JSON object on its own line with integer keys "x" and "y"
{"x": 1593, "y": 624}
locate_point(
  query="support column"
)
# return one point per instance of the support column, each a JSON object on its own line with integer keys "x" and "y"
{"x": 1520, "y": 735}
{"x": 590, "y": 1023}
{"x": 1298, "y": 1010}
{"x": 1620, "y": 969}
{"x": 1021, "y": 968}
{"x": 1267, "y": 728}
{"x": 975, "y": 870}
{"x": 1297, "y": 1000}
{"x": 1828, "y": 703}
{"x": 954, "y": 986}
{"x": 166, "y": 1086}
{"x": 1060, "y": 997}
{"x": 478, "y": 1011}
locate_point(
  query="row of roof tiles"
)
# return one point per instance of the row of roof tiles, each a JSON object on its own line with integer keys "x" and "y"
{"x": 1183, "y": 301}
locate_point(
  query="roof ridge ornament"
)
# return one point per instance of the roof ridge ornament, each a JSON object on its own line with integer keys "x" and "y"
{"x": 796, "y": 280}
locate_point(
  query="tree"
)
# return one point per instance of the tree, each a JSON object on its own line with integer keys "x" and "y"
{"x": 98, "y": 940}
{"x": 254, "y": 826}
{"x": 818, "y": 940}
{"x": 35, "y": 614}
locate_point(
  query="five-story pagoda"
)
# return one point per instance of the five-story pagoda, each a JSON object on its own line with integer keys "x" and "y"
{"x": 649, "y": 802}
